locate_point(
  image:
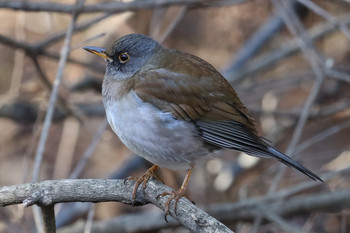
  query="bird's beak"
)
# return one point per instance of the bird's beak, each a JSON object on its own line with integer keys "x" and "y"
{"x": 98, "y": 51}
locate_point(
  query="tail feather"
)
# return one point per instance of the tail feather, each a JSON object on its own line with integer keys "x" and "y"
{"x": 291, "y": 163}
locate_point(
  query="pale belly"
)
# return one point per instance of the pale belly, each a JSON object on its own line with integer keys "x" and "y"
{"x": 154, "y": 135}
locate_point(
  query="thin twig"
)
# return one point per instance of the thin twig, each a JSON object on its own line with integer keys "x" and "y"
{"x": 252, "y": 46}
{"x": 54, "y": 93}
{"x": 79, "y": 27}
{"x": 63, "y": 105}
{"x": 345, "y": 3}
{"x": 34, "y": 51}
{"x": 17, "y": 70}
{"x": 89, "y": 151}
{"x": 89, "y": 219}
{"x": 41, "y": 73}
{"x": 38, "y": 219}
{"x": 336, "y": 74}
{"x": 256, "y": 223}
{"x": 31, "y": 147}
{"x": 306, "y": 44}
{"x": 170, "y": 28}
{"x": 273, "y": 217}
{"x": 335, "y": 201}
{"x": 15, "y": 43}
{"x": 323, "y": 135}
{"x": 330, "y": 18}
{"x": 285, "y": 193}
{"x": 287, "y": 49}
{"x": 142, "y": 222}
{"x": 304, "y": 114}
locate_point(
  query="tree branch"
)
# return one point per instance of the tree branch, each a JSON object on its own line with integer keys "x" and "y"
{"x": 287, "y": 49}
{"x": 245, "y": 210}
{"x": 307, "y": 47}
{"x": 51, "y": 192}
{"x": 49, "y": 114}
{"x": 115, "y": 7}
{"x": 48, "y": 213}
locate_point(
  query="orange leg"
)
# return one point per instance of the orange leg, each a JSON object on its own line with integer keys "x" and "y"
{"x": 176, "y": 195}
{"x": 151, "y": 172}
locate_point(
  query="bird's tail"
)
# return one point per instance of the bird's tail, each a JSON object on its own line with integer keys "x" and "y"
{"x": 291, "y": 163}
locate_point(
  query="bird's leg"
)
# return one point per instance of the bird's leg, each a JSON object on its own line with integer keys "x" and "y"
{"x": 151, "y": 172}
{"x": 176, "y": 195}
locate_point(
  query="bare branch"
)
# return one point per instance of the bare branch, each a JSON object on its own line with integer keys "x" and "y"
{"x": 113, "y": 7}
{"x": 15, "y": 44}
{"x": 173, "y": 24}
{"x": 323, "y": 135}
{"x": 273, "y": 217}
{"x": 34, "y": 50}
{"x": 245, "y": 210}
{"x": 330, "y": 18}
{"x": 150, "y": 221}
{"x": 287, "y": 49}
{"x": 60, "y": 35}
{"x": 48, "y": 213}
{"x": 54, "y": 93}
{"x": 89, "y": 151}
{"x": 306, "y": 44}
{"x": 48, "y": 193}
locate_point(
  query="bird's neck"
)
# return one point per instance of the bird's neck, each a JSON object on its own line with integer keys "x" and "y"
{"x": 114, "y": 90}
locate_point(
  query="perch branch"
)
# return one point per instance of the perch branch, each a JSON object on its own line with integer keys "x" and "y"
{"x": 51, "y": 192}
{"x": 246, "y": 210}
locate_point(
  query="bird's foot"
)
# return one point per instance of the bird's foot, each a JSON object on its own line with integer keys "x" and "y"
{"x": 151, "y": 172}
{"x": 174, "y": 195}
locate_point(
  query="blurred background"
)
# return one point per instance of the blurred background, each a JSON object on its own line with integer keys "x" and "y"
{"x": 288, "y": 61}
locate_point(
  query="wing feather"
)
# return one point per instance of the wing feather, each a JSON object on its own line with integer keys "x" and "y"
{"x": 188, "y": 98}
{"x": 191, "y": 89}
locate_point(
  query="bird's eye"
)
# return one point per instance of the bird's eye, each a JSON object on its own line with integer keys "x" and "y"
{"x": 124, "y": 57}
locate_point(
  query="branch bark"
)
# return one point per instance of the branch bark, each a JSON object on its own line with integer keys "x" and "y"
{"x": 48, "y": 213}
{"x": 245, "y": 210}
{"x": 115, "y": 7}
{"x": 51, "y": 192}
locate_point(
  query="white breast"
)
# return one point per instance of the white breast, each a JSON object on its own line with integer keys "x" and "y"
{"x": 153, "y": 134}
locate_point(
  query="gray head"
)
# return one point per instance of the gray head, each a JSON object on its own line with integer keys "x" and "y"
{"x": 128, "y": 54}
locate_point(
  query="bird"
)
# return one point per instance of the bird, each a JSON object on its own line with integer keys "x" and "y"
{"x": 173, "y": 108}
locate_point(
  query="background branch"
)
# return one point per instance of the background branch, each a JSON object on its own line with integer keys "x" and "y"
{"x": 115, "y": 7}
{"x": 48, "y": 117}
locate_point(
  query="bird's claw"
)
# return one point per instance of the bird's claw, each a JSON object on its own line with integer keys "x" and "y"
{"x": 142, "y": 179}
{"x": 174, "y": 195}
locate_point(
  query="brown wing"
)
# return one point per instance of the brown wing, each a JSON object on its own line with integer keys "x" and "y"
{"x": 203, "y": 96}
{"x": 196, "y": 91}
